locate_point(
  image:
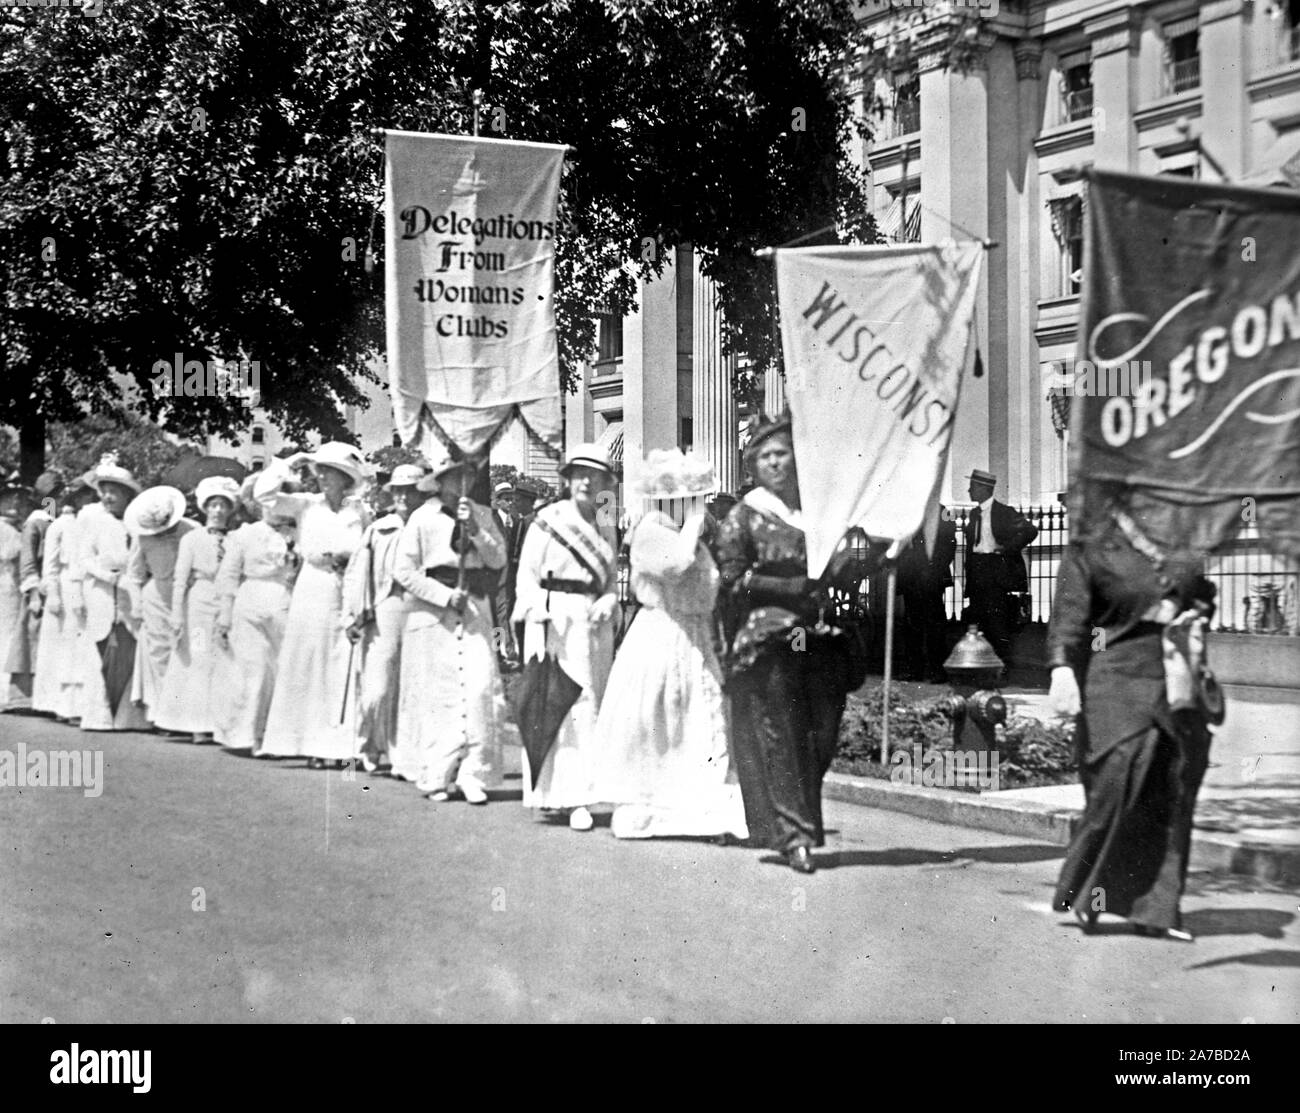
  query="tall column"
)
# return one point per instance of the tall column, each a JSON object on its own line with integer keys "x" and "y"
{"x": 1115, "y": 39}
{"x": 716, "y": 415}
{"x": 1225, "y": 105}
{"x": 955, "y": 195}
{"x": 650, "y": 373}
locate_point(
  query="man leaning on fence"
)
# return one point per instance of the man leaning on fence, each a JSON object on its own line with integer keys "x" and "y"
{"x": 996, "y": 536}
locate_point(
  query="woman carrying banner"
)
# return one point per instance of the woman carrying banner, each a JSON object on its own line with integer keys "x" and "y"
{"x": 254, "y": 585}
{"x": 59, "y": 656}
{"x": 566, "y": 594}
{"x": 103, "y": 548}
{"x": 307, "y": 717}
{"x": 663, "y": 723}
{"x": 156, "y": 521}
{"x": 199, "y": 673}
{"x": 1127, "y": 620}
{"x": 449, "y": 728}
{"x": 375, "y": 607}
{"x": 791, "y": 668}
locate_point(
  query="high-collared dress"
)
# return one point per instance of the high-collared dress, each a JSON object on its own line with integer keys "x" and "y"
{"x": 151, "y": 573}
{"x": 11, "y": 608}
{"x": 449, "y": 722}
{"x": 307, "y": 717}
{"x": 254, "y": 586}
{"x": 103, "y": 550}
{"x": 664, "y": 756}
{"x": 198, "y": 674}
{"x": 21, "y": 663}
{"x": 372, "y": 596}
{"x": 57, "y": 646}
{"x": 555, "y": 595}
{"x": 1140, "y": 763}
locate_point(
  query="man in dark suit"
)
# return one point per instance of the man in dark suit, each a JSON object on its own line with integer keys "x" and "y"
{"x": 996, "y": 536}
{"x": 922, "y": 580}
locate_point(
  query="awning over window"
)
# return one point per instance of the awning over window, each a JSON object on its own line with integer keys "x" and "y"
{"x": 611, "y": 440}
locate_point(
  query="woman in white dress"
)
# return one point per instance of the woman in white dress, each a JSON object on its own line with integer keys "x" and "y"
{"x": 156, "y": 521}
{"x": 663, "y": 723}
{"x": 103, "y": 549}
{"x": 59, "y": 656}
{"x": 375, "y": 608}
{"x": 449, "y": 718}
{"x": 566, "y": 596}
{"x": 254, "y": 586}
{"x": 10, "y": 597}
{"x": 199, "y": 673}
{"x": 307, "y": 717}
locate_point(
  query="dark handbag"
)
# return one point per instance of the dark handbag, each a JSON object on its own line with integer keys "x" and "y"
{"x": 542, "y": 699}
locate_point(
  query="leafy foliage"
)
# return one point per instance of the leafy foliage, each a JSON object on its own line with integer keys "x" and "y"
{"x": 201, "y": 178}
{"x": 141, "y": 447}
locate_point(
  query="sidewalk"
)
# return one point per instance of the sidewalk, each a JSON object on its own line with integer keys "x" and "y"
{"x": 1247, "y": 814}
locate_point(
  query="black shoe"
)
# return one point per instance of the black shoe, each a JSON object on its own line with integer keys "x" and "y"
{"x": 1174, "y": 935}
{"x": 1087, "y": 920}
{"x": 800, "y": 859}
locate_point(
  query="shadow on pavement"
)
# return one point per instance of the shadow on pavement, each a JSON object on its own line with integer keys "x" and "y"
{"x": 911, "y": 856}
{"x": 1267, "y": 922}
{"x": 1258, "y": 958}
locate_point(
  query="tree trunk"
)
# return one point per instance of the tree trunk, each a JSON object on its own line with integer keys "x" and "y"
{"x": 31, "y": 447}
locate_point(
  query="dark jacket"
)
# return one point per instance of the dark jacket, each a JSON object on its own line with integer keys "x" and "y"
{"x": 919, "y": 572}
{"x": 1013, "y": 531}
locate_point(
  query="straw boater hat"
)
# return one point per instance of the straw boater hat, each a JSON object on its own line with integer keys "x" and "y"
{"x": 342, "y": 457}
{"x": 217, "y": 486}
{"x": 155, "y": 511}
{"x": 441, "y": 467}
{"x": 405, "y": 475}
{"x": 505, "y": 487}
{"x": 979, "y": 475}
{"x": 670, "y": 473}
{"x": 587, "y": 456}
{"x": 109, "y": 471}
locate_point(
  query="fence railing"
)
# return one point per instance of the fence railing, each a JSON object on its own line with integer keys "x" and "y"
{"x": 1258, "y": 590}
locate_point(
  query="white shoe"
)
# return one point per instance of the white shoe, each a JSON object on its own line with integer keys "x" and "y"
{"x": 580, "y": 820}
{"x": 474, "y": 794}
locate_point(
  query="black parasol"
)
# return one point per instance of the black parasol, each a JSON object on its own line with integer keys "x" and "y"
{"x": 542, "y": 700}
{"x": 116, "y": 660}
{"x": 188, "y": 473}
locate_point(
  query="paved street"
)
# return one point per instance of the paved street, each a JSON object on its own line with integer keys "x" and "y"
{"x": 328, "y": 898}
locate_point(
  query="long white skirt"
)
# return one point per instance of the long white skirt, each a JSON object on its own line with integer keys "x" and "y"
{"x": 257, "y": 624}
{"x": 93, "y": 706}
{"x": 11, "y": 617}
{"x": 153, "y": 650}
{"x": 198, "y": 674}
{"x": 380, "y": 681}
{"x": 307, "y": 717}
{"x": 65, "y": 655}
{"x": 57, "y": 642}
{"x": 449, "y": 728}
{"x": 585, "y": 651}
{"x": 663, "y": 733}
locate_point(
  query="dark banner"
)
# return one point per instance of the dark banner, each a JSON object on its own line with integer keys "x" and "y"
{"x": 1187, "y": 380}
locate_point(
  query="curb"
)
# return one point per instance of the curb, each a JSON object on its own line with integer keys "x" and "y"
{"x": 1212, "y": 851}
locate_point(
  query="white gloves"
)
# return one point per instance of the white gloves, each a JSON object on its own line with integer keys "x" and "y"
{"x": 1064, "y": 694}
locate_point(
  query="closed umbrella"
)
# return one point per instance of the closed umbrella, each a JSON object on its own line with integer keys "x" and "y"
{"x": 544, "y": 696}
{"x": 116, "y": 660}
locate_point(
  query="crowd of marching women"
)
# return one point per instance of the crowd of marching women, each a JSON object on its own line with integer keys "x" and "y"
{"x": 299, "y": 619}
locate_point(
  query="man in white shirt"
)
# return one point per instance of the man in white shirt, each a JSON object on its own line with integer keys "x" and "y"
{"x": 996, "y": 536}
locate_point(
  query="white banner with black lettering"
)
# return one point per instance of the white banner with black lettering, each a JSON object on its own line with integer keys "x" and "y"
{"x": 469, "y": 282}
{"x": 875, "y": 341}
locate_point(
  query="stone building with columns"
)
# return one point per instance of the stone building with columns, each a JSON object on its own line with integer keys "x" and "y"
{"x": 1208, "y": 90}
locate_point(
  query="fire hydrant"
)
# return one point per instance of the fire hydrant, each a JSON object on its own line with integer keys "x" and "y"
{"x": 976, "y": 706}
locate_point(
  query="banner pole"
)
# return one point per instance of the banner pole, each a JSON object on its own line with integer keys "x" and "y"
{"x": 889, "y": 661}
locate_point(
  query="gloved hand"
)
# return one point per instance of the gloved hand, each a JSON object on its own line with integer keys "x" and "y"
{"x": 1064, "y": 694}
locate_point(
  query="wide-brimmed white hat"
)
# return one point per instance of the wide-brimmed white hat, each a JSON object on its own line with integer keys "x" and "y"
{"x": 405, "y": 475}
{"x": 114, "y": 473}
{"x": 154, "y": 511}
{"x": 588, "y": 456}
{"x": 217, "y": 486}
{"x": 670, "y": 473}
{"x": 342, "y": 457}
{"x": 440, "y": 468}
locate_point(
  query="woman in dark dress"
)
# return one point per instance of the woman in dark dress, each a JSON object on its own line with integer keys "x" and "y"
{"x": 1141, "y": 758}
{"x": 790, "y": 664}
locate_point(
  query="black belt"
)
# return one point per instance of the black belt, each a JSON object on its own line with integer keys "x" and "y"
{"x": 572, "y": 587}
{"x": 478, "y": 581}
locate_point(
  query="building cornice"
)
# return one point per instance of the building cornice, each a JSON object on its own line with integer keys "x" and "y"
{"x": 1058, "y": 321}
{"x": 1275, "y": 83}
{"x": 1028, "y": 53}
{"x": 1167, "y": 110}
{"x": 606, "y": 386}
{"x": 1114, "y": 31}
{"x": 1217, "y": 10}
{"x": 1064, "y": 137}
{"x": 889, "y": 153}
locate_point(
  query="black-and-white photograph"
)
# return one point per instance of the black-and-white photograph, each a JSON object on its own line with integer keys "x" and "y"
{"x": 651, "y": 512}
